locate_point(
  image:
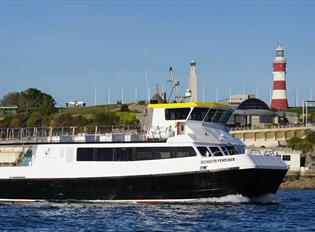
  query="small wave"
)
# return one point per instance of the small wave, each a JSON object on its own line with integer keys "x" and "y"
{"x": 237, "y": 198}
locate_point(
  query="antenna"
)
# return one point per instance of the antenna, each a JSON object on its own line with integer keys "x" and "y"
{"x": 108, "y": 96}
{"x": 203, "y": 93}
{"x": 146, "y": 84}
{"x": 174, "y": 84}
{"x": 311, "y": 93}
{"x": 217, "y": 94}
{"x": 122, "y": 94}
{"x": 136, "y": 93}
{"x": 95, "y": 95}
{"x": 257, "y": 91}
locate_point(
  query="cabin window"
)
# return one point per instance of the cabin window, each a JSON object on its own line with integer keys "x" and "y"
{"x": 216, "y": 151}
{"x": 163, "y": 152}
{"x": 210, "y": 115}
{"x": 144, "y": 153}
{"x": 123, "y": 154}
{"x": 85, "y": 154}
{"x": 184, "y": 152}
{"x": 103, "y": 154}
{"x": 198, "y": 113}
{"x": 176, "y": 114}
{"x": 204, "y": 151}
{"x": 231, "y": 149}
{"x": 132, "y": 154}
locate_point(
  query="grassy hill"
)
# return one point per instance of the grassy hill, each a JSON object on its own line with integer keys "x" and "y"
{"x": 115, "y": 114}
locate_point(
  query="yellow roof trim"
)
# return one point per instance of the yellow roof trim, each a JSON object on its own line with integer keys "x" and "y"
{"x": 188, "y": 104}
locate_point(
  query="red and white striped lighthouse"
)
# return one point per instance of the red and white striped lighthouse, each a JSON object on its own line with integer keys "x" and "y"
{"x": 279, "y": 96}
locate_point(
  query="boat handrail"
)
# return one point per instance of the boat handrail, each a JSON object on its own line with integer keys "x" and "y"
{"x": 67, "y": 133}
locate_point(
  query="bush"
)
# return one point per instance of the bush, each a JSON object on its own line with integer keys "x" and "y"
{"x": 35, "y": 120}
{"x": 109, "y": 118}
{"x": 18, "y": 120}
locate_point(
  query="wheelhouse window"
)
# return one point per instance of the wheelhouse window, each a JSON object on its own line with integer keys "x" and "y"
{"x": 217, "y": 116}
{"x": 176, "y": 114}
{"x": 216, "y": 151}
{"x": 210, "y": 115}
{"x": 231, "y": 149}
{"x": 198, "y": 113}
{"x": 204, "y": 151}
{"x": 225, "y": 151}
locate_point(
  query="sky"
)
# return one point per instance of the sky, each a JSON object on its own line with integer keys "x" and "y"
{"x": 82, "y": 50}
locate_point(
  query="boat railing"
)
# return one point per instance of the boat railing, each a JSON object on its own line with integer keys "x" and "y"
{"x": 71, "y": 134}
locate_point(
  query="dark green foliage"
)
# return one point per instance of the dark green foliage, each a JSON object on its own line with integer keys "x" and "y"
{"x": 18, "y": 120}
{"x": 35, "y": 120}
{"x": 10, "y": 99}
{"x": 305, "y": 145}
{"x": 124, "y": 108}
{"x": 312, "y": 118}
{"x": 64, "y": 120}
{"x": 109, "y": 118}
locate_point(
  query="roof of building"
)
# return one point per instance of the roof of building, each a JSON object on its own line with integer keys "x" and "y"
{"x": 188, "y": 104}
{"x": 157, "y": 97}
{"x": 253, "y": 104}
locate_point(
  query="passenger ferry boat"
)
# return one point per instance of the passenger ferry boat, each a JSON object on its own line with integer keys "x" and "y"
{"x": 187, "y": 153}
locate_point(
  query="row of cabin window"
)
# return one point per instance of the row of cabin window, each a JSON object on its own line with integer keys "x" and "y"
{"x": 218, "y": 151}
{"x": 198, "y": 114}
{"x": 133, "y": 154}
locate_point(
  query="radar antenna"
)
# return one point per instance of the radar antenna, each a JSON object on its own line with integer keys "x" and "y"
{"x": 174, "y": 84}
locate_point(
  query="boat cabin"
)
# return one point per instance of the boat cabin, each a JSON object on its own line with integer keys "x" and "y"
{"x": 165, "y": 117}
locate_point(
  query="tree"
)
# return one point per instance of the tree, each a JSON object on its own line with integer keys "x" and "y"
{"x": 32, "y": 98}
{"x": 35, "y": 120}
{"x": 10, "y": 99}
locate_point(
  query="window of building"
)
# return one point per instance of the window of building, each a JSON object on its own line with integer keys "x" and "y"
{"x": 204, "y": 151}
{"x": 216, "y": 151}
{"x": 198, "y": 113}
{"x": 286, "y": 157}
{"x": 176, "y": 114}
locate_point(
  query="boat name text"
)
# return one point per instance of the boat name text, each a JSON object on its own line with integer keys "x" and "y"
{"x": 217, "y": 160}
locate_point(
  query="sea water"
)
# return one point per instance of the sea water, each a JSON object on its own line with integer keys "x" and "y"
{"x": 288, "y": 210}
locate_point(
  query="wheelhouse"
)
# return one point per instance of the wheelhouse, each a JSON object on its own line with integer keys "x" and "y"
{"x": 164, "y": 115}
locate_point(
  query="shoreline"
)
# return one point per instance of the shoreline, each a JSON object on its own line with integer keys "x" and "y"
{"x": 297, "y": 180}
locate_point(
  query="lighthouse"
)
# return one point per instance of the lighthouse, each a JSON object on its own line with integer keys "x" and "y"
{"x": 279, "y": 96}
{"x": 193, "y": 81}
